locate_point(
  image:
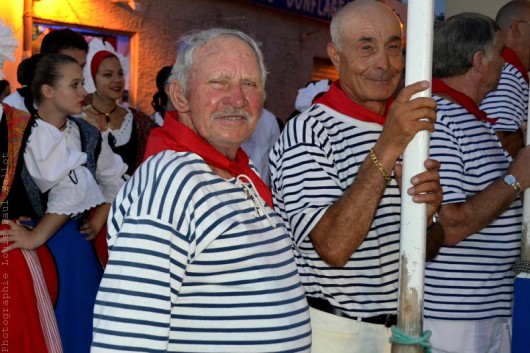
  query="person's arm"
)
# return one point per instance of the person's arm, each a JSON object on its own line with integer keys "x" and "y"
{"x": 30, "y": 239}
{"x": 434, "y": 241}
{"x": 93, "y": 225}
{"x": 346, "y": 223}
{"x": 511, "y": 141}
{"x": 463, "y": 219}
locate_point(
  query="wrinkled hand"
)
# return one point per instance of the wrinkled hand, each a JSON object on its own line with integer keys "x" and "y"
{"x": 18, "y": 237}
{"x": 407, "y": 117}
{"x": 426, "y": 188}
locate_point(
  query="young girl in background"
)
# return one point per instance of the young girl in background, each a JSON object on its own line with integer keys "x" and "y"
{"x": 67, "y": 170}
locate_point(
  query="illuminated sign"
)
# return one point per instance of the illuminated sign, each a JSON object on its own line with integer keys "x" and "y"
{"x": 317, "y": 9}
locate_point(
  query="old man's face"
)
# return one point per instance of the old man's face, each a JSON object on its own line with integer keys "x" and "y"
{"x": 371, "y": 60}
{"x": 225, "y": 93}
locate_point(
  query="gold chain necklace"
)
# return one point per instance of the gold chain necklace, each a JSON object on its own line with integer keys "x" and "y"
{"x": 108, "y": 125}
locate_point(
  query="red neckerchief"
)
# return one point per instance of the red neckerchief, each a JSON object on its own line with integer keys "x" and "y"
{"x": 464, "y": 100}
{"x": 336, "y": 99}
{"x": 512, "y": 58}
{"x": 177, "y": 137}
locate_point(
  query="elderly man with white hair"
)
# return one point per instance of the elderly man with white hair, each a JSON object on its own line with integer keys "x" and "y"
{"x": 199, "y": 261}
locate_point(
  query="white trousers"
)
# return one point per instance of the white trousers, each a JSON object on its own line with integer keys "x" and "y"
{"x": 461, "y": 336}
{"x": 335, "y": 334}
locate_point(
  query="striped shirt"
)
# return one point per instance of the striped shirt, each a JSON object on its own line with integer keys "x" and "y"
{"x": 472, "y": 280}
{"x": 509, "y": 102}
{"x": 195, "y": 267}
{"x": 313, "y": 163}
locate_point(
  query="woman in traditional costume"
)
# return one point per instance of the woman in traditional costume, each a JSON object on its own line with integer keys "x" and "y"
{"x": 67, "y": 170}
{"x": 126, "y": 129}
{"x": 28, "y": 281}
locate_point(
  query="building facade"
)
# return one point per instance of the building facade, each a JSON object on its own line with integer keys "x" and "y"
{"x": 293, "y": 33}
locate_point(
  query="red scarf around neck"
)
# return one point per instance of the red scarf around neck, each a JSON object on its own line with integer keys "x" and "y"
{"x": 461, "y": 98}
{"x": 512, "y": 58}
{"x": 177, "y": 137}
{"x": 336, "y": 99}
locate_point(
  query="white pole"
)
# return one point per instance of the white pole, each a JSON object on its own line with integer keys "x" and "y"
{"x": 525, "y": 236}
{"x": 420, "y": 21}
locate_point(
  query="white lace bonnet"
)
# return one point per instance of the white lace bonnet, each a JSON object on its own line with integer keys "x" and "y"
{"x": 8, "y": 44}
{"x": 306, "y": 94}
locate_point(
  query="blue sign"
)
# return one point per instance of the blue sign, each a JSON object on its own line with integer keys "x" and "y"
{"x": 317, "y": 9}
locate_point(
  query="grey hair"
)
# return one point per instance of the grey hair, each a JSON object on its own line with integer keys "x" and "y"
{"x": 511, "y": 11}
{"x": 335, "y": 27}
{"x": 457, "y": 39}
{"x": 189, "y": 43}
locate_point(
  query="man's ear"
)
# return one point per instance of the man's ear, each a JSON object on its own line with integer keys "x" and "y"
{"x": 334, "y": 55}
{"x": 179, "y": 100}
{"x": 478, "y": 60}
{"x": 47, "y": 91}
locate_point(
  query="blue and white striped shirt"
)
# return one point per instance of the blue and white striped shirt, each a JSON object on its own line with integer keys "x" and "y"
{"x": 509, "y": 102}
{"x": 472, "y": 280}
{"x": 194, "y": 267}
{"x": 315, "y": 160}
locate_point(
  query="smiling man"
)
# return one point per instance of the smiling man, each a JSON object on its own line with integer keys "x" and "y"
{"x": 333, "y": 182}
{"x": 199, "y": 261}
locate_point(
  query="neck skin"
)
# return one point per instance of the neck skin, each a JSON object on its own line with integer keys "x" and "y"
{"x": 51, "y": 115}
{"x": 467, "y": 85}
{"x": 377, "y": 107}
{"x": 220, "y": 172}
{"x": 103, "y": 104}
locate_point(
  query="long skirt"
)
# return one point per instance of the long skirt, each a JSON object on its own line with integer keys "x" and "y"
{"x": 28, "y": 289}
{"x": 79, "y": 272}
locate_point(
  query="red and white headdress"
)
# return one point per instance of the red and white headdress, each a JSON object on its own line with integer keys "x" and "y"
{"x": 97, "y": 51}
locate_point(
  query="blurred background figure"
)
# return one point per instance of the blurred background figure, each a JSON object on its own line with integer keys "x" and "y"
{"x": 306, "y": 95}
{"x": 62, "y": 41}
{"x": 5, "y": 89}
{"x": 126, "y": 129}
{"x": 509, "y": 102}
{"x": 260, "y": 143}
{"x": 160, "y": 102}
{"x": 309, "y": 93}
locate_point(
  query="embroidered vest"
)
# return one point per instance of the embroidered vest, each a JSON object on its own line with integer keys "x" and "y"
{"x": 14, "y": 133}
